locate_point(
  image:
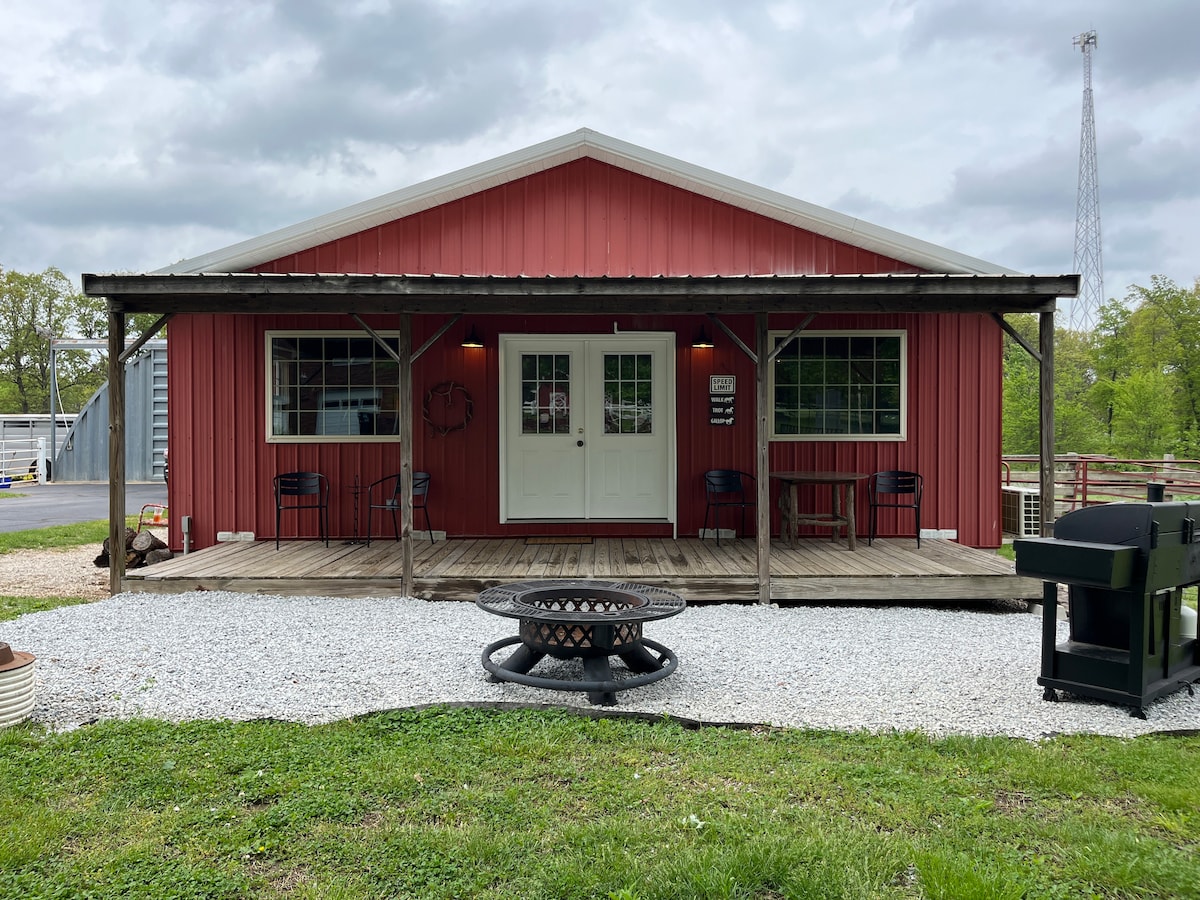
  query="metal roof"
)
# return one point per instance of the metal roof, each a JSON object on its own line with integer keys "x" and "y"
{"x": 580, "y": 144}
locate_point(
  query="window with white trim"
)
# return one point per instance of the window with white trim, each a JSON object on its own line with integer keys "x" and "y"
{"x": 326, "y": 386}
{"x": 840, "y": 385}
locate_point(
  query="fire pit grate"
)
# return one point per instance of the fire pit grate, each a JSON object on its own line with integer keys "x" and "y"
{"x": 585, "y": 620}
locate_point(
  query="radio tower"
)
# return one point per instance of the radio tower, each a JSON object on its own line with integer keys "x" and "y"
{"x": 1088, "y": 262}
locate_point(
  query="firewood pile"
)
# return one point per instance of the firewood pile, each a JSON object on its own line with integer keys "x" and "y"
{"x": 142, "y": 548}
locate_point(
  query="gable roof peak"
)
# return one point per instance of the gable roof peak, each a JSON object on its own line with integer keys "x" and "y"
{"x": 579, "y": 144}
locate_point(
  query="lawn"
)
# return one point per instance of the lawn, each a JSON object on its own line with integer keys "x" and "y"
{"x": 544, "y": 804}
{"x": 476, "y": 803}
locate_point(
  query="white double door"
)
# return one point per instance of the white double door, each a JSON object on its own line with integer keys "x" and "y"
{"x": 588, "y": 427}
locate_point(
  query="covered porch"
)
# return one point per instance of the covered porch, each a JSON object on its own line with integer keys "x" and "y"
{"x": 760, "y": 570}
{"x": 815, "y": 570}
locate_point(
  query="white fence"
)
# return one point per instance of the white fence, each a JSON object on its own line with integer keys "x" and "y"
{"x": 22, "y": 460}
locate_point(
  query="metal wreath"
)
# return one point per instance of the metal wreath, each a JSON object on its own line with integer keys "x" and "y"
{"x": 446, "y": 390}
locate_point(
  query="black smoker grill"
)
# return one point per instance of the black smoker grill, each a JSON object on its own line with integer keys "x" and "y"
{"x": 1125, "y": 566}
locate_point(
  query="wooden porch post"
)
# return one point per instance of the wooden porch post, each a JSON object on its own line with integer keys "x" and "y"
{"x": 763, "y": 474}
{"x": 405, "y": 411}
{"x": 116, "y": 451}
{"x": 1046, "y": 420}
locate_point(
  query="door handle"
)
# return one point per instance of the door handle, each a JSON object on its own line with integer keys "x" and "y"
{"x": 579, "y": 443}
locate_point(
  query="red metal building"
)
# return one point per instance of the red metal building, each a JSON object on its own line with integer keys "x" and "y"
{"x": 587, "y": 423}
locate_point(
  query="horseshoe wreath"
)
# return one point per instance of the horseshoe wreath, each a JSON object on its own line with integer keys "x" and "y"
{"x": 445, "y": 412}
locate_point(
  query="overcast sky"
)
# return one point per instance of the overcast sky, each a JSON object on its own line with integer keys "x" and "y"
{"x": 139, "y": 132}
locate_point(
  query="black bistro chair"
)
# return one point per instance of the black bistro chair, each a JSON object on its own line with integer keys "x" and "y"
{"x": 384, "y": 495}
{"x": 724, "y": 487}
{"x": 894, "y": 490}
{"x": 302, "y": 490}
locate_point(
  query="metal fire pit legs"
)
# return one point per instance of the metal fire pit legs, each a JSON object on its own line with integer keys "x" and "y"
{"x": 587, "y": 620}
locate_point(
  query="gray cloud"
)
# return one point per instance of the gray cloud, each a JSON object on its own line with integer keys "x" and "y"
{"x": 138, "y": 132}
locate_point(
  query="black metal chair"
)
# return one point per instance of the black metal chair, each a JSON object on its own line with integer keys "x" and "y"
{"x": 384, "y": 495}
{"x": 724, "y": 487}
{"x": 887, "y": 490}
{"x": 310, "y": 490}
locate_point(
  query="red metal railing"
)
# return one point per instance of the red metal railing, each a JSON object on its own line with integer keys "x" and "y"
{"x": 1086, "y": 480}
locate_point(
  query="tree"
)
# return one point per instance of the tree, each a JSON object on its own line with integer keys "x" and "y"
{"x": 1076, "y": 427}
{"x": 34, "y": 308}
{"x": 1166, "y": 339}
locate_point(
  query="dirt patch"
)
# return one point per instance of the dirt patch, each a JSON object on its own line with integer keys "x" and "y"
{"x": 62, "y": 572}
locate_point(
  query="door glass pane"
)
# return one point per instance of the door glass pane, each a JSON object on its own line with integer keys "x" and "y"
{"x": 545, "y": 393}
{"x": 628, "y": 381}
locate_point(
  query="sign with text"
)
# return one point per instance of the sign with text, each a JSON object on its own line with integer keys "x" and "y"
{"x": 721, "y": 399}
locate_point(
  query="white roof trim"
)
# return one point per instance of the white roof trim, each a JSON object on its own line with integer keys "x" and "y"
{"x": 557, "y": 151}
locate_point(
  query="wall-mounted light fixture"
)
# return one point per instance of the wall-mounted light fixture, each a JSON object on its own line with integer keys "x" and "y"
{"x": 472, "y": 339}
{"x": 702, "y": 339}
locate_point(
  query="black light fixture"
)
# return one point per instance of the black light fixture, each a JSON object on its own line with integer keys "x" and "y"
{"x": 472, "y": 339}
{"x": 702, "y": 339}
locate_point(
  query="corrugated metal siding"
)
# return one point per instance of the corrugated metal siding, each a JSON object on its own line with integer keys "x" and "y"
{"x": 221, "y": 475}
{"x": 591, "y": 219}
{"x": 83, "y": 453}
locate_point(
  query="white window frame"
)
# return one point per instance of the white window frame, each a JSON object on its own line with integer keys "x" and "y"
{"x": 268, "y": 399}
{"x": 772, "y": 341}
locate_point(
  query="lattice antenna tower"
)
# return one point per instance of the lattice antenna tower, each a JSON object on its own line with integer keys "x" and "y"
{"x": 1088, "y": 261}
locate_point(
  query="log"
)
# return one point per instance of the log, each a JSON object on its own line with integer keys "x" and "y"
{"x": 145, "y": 541}
{"x": 142, "y": 548}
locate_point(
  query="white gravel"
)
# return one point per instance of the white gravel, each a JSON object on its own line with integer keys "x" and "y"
{"x": 221, "y": 655}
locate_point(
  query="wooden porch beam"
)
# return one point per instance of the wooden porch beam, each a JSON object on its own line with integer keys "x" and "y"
{"x": 762, "y": 480}
{"x": 116, "y": 451}
{"x": 436, "y": 336}
{"x": 785, "y": 286}
{"x": 405, "y": 414}
{"x": 792, "y": 335}
{"x": 733, "y": 337}
{"x": 146, "y": 336}
{"x": 393, "y": 294}
{"x": 1016, "y": 336}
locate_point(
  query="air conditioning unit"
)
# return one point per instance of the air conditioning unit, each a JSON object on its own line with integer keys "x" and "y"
{"x": 1021, "y": 511}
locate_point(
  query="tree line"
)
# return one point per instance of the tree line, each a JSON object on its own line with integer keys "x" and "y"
{"x": 36, "y": 307}
{"x": 1130, "y": 388}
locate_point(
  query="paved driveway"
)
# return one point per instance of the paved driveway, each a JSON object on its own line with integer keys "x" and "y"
{"x": 26, "y": 505}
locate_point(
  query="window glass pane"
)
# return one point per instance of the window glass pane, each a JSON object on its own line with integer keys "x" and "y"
{"x": 837, "y": 348}
{"x": 837, "y": 372}
{"x": 628, "y": 393}
{"x": 839, "y": 384}
{"x": 862, "y": 348}
{"x": 546, "y": 396}
{"x": 332, "y": 385}
{"x": 887, "y": 347}
{"x": 787, "y": 372}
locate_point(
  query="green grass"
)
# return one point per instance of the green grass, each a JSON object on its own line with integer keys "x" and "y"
{"x": 447, "y": 803}
{"x": 474, "y": 803}
{"x": 60, "y": 536}
{"x": 8, "y": 494}
{"x": 11, "y": 607}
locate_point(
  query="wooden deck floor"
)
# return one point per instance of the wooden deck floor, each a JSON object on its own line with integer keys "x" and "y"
{"x": 816, "y": 570}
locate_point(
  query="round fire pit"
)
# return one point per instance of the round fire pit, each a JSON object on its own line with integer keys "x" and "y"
{"x": 586, "y": 620}
{"x": 16, "y": 685}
